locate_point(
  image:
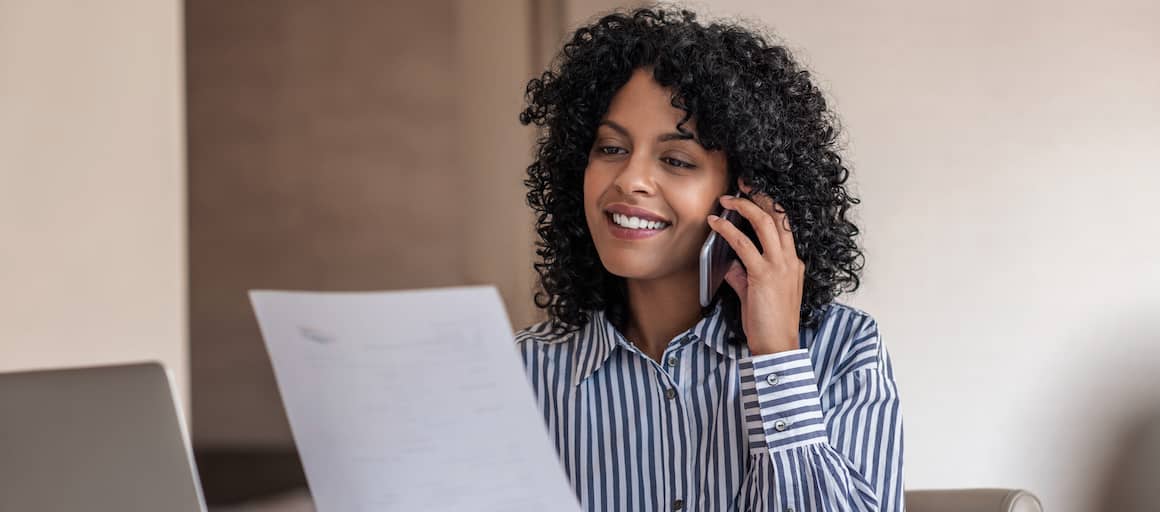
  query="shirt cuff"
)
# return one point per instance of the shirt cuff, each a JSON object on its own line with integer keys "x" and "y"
{"x": 779, "y": 397}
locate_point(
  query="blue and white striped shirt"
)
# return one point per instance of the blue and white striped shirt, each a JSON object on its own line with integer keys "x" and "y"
{"x": 714, "y": 428}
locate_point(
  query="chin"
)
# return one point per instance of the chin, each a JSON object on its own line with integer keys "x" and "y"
{"x": 633, "y": 268}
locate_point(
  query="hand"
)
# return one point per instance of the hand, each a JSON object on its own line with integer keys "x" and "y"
{"x": 770, "y": 284}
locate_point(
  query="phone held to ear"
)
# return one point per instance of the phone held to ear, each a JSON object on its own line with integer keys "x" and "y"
{"x": 717, "y": 254}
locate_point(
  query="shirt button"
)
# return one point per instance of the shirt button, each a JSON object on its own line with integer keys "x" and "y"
{"x": 772, "y": 379}
{"x": 670, "y": 393}
{"x": 789, "y": 509}
{"x": 678, "y": 504}
{"x": 672, "y": 360}
{"x": 780, "y": 425}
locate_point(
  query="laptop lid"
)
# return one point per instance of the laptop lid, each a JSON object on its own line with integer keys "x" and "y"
{"x": 103, "y": 438}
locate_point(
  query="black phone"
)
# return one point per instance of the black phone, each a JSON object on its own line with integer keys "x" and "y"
{"x": 717, "y": 254}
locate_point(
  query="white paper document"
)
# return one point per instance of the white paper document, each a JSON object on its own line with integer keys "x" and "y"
{"x": 410, "y": 400}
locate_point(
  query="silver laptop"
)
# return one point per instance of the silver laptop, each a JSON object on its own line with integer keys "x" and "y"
{"x": 104, "y": 438}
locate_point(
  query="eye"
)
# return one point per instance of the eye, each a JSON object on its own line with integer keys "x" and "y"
{"x": 678, "y": 163}
{"x": 601, "y": 150}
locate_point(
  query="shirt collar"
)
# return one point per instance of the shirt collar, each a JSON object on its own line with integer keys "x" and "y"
{"x": 599, "y": 338}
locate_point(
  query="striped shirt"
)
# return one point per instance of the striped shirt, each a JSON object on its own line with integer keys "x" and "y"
{"x": 714, "y": 428}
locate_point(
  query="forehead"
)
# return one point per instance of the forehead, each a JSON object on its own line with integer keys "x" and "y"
{"x": 644, "y": 107}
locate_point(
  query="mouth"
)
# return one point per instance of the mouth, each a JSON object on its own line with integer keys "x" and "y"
{"x": 633, "y": 228}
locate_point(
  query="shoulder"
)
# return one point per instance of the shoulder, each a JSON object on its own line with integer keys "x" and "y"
{"x": 547, "y": 356}
{"x": 540, "y": 341}
{"x": 841, "y": 313}
{"x": 540, "y": 332}
{"x": 846, "y": 340}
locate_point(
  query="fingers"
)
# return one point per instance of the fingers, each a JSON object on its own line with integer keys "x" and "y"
{"x": 788, "y": 245}
{"x": 779, "y": 215}
{"x": 738, "y": 280}
{"x": 740, "y": 243}
{"x": 763, "y": 223}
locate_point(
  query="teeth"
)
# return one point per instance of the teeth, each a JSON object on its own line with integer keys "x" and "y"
{"x": 636, "y": 222}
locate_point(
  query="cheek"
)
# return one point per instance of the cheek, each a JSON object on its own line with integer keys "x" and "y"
{"x": 589, "y": 185}
{"x": 694, "y": 206}
{"x": 595, "y": 183}
{"x": 593, "y": 188}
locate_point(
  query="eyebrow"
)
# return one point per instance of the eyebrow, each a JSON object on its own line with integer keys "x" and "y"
{"x": 662, "y": 138}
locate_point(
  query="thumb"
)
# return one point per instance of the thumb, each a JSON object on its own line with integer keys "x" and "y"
{"x": 738, "y": 279}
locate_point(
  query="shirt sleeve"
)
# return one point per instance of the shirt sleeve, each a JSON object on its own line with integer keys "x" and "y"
{"x": 830, "y": 446}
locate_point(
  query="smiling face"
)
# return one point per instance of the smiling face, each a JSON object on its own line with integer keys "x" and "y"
{"x": 641, "y": 166}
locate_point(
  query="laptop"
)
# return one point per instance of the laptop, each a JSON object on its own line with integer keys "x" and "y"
{"x": 106, "y": 438}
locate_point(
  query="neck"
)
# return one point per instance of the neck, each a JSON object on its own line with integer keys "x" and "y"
{"x": 660, "y": 309}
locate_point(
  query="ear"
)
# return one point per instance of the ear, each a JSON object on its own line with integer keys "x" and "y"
{"x": 743, "y": 186}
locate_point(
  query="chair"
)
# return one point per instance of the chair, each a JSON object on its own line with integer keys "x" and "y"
{"x": 972, "y": 500}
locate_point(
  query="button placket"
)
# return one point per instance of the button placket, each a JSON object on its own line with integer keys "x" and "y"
{"x": 672, "y": 366}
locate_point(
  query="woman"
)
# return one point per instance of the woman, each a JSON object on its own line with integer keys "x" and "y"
{"x": 775, "y": 397}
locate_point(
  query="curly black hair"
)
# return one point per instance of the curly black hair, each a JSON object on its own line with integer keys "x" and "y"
{"x": 748, "y": 97}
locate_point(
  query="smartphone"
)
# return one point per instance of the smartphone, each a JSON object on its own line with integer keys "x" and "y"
{"x": 717, "y": 254}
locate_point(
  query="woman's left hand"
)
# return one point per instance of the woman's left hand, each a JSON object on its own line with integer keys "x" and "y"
{"x": 770, "y": 283}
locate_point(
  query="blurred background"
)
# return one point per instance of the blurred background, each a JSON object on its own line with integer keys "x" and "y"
{"x": 159, "y": 158}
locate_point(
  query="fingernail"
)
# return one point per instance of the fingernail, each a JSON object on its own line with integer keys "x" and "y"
{"x": 713, "y": 218}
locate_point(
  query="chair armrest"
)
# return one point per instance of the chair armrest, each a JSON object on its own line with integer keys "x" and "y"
{"x": 972, "y": 500}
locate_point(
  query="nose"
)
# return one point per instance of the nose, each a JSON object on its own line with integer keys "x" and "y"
{"x": 637, "y": 175}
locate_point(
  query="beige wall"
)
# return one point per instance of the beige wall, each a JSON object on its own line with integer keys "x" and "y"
{"x": 324, "y": 155}
{"x": 92, "y": 189}
{"x": 346, "y": 146}
{"x": 1007, "y": 156}
{"x": 495, "y": 49}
